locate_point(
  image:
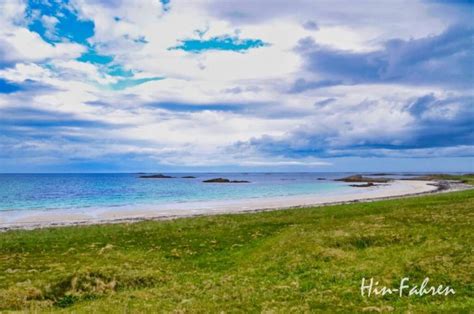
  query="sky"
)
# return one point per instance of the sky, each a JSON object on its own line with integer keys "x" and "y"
{"x": 212, "y": 85}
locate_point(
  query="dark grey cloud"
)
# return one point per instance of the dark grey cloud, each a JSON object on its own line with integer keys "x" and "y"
{"x": 301, "y": 85}
{"x": 446, "y": 59}
{"x": 438, "y": 124}
{"x": 29, "y": 87}
{"x": 42, "y": 119}
{"x": 325, "y": 102}
{"x": 310, "y": 25}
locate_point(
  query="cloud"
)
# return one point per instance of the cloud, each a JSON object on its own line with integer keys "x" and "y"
{"x": 94, "y": 84}
{"x": 15, "y": 46}
{"x": 24, "y": 117}
{"x": 239, "y": 90}
{"x": 58, "y": 21}
{"x": 419, "y": 18}
{"x": 424, "y": 125}
{"x": 325, "y": 102}
{"x": 8, "y": 87}
{"x": 441, "y": 122}
{"x": 301, "y": 85}
{"x": 185, "y": 107}
{"x": 445, "y": 59}
{"x": 310, "y": 25}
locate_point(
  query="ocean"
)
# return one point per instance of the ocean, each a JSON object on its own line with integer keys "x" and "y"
{"x": 23, "y": 192}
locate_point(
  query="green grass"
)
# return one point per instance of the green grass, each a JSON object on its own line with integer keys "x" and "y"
{"x": 296, "y": 260}
{"x": 465, "y": 178}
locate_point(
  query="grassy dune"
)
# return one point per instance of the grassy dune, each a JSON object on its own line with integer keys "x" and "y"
{"x": 297, "y": 260}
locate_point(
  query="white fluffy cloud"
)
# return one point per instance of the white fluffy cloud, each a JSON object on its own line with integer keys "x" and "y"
{"x": 213, "y": 106}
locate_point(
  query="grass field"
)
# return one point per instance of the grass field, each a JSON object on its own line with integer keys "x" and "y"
{"x": 296, "y": 260}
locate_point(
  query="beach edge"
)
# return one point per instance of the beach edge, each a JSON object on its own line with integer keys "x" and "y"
{"x": 429, "y": 188}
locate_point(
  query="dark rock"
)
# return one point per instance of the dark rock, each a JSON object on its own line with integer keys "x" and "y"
{"x": 321, "y": 178}
{"x": 379, "y": 174}
{"x": 223, "y": 180}
{"x": 156, "y": 176}
{"x": 217, "y": 180}
{"x": 443, "y": 186}
{"x": 366, "y": 185}
{"x": 360, "y": 178}
{"x": 189, "y": 177}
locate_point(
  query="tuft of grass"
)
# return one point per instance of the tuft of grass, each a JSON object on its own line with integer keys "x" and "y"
{"x": 296, "y": 260}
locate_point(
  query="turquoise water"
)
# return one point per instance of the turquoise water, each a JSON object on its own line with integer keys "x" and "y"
{"x": 66, "y": 191}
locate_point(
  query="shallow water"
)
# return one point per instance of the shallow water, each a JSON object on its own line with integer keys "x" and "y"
{"x": 60, "y": 191}
{"x": 23, "y": 192}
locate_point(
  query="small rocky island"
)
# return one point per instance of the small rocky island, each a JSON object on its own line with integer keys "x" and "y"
{"x": 367, "y": 181}
{"x": 223, "y": 180}
{"x": 365, "y": 185}
{"x": 189, "y": 177}
{"x": 360, "y": 178}
{"x": 156, "y": 176}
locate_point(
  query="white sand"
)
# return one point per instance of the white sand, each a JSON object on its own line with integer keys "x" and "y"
{"x": 39, "y": 219}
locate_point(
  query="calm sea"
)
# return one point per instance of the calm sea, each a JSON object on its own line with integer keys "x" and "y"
{"x": 61, "y": 191}
{"x": 66, "y": 191}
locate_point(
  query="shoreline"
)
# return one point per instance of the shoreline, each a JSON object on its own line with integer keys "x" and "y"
{"x": 37, "y": 219}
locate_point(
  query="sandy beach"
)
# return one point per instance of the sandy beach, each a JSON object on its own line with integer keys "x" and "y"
{"x": 31, "y": 219}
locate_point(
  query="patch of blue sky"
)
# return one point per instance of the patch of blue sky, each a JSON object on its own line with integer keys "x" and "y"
{"x": 165, "y": 4}
{"x": 7, "y": 87}
{"x": 225, "y": 43}
{"x": 67, "y": 26}
{"x": 130, "y": 82}
{"x": 105, "y": 62}
{"x": 92, "y": 56}
{"x": 119, "y": 70}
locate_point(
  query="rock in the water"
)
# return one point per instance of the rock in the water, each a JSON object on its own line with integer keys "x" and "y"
{"x": 217, "y": 180}
{"x": 189, "y": 177}
{"x": 156, "y": 176}
{"x": 366, "y": 185}
{"x": 223, "y": 180}
{"x": 360, "y": 178}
